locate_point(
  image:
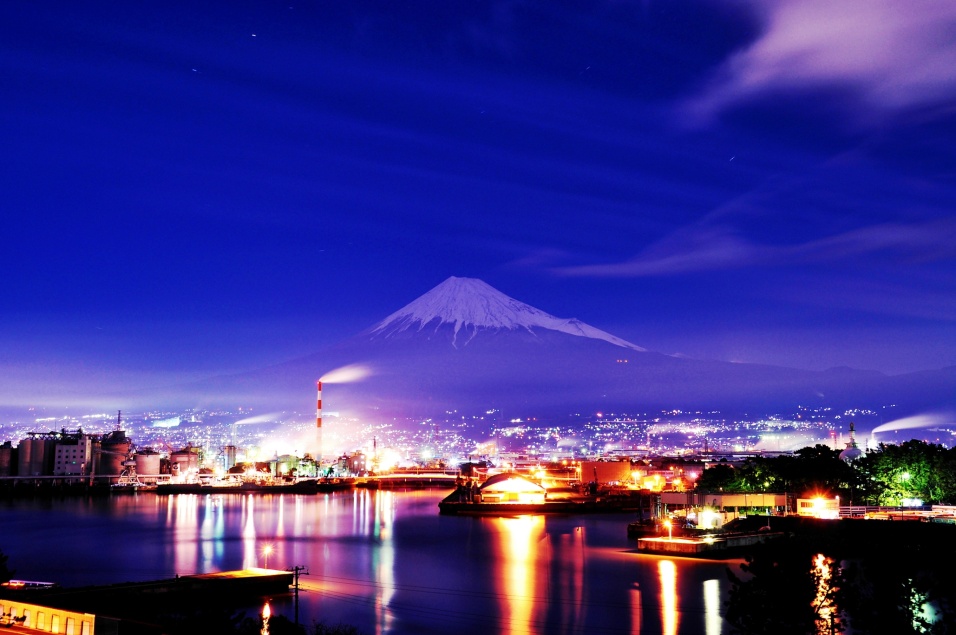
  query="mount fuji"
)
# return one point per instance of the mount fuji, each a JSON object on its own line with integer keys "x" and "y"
{"x": 470, "y": 307}
{"x": 467, "y": 348}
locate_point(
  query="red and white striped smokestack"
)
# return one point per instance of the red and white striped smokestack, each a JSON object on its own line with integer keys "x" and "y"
{"x": 318, "y": 405}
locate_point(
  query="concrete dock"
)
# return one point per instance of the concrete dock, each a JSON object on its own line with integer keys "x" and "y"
{"x": 716, "y": 546}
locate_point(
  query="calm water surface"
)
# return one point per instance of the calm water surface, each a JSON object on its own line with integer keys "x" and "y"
{"x": 383, "y": 561}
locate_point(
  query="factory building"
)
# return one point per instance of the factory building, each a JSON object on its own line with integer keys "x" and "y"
{"x": 356, "y": 464}
{"x": 74, "y": 454}
{"x": 68, "y": 453}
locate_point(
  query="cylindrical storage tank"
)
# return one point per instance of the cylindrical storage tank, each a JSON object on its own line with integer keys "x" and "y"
{"x": 186, "y": 459}
{"x": 44, "y": 453}
{"x": 113, "y": 450}
{"x": 6, "y": 460}
{"x": 25, "y": 455}
{"x": 147, "y": 463}
{"x": 37, "y": 454}
{"x": 229, "y": 453}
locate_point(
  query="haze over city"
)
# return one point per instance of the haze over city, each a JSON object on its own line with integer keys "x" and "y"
{"x": 212, "y": 189}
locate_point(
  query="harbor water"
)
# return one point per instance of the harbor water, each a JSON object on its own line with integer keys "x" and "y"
{"x": 383, "y": 561}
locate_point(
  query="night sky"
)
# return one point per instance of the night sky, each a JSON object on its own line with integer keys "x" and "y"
{"x": 203, "y": 187}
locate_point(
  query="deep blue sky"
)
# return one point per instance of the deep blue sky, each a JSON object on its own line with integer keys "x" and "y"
{"x": 198, "y": 187}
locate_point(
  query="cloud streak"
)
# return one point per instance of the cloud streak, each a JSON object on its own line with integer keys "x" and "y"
{"x": 886, "y": 55}
{"x": 708, "y": 247}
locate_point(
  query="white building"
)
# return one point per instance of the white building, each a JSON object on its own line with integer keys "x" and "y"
{"x": 73, "y": 455}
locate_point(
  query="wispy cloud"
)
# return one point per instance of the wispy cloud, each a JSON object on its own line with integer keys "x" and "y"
{"x": 688, "y": 251}
{"x": 925, "y": 241}
{"x": 886, "y": 55}
{"x": 708, "y": 247}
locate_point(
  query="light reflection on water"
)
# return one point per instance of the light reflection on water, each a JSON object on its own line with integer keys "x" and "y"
{"x": 384, "y": 566}
{"x": 248, "y": 534}
{"x": 712, "y": 619}
{"x": 636, "y": 605}
{"x": 823, "y": 602}
{"x": 670, "y": 616}
{"x": 384, "y": 561}
{"x": 518, "y": 542}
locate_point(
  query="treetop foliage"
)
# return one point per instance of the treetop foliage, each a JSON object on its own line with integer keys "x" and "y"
{"x": 884, "y": 476}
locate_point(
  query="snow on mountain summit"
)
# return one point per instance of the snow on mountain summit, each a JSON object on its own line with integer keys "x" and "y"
{"x": 472, "y": 305}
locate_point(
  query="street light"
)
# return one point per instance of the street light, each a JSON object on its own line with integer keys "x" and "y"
{"x": 670, "y": 529}
{"x": 266, "y": 552}
{"x": 905, "y": 476}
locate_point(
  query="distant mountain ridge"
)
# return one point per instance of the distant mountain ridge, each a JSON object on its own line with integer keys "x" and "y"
{"x": 465, "y": 347}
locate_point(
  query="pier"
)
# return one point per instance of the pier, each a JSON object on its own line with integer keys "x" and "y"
{"x": 711, "y": 546}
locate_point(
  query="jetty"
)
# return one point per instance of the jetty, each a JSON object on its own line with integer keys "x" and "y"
{"x": 848, "y": 536}
{"x": 708, "y": 546}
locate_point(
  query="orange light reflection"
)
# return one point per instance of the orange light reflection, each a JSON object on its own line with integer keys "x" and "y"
{"x": 636, "y": 609}
{"x": 823, "y": 602}
{"x": 712, "y": 619}
{"x": 518, "y": 544}
{"x": 670, "y": 617}
{"x": 569, "y": 570}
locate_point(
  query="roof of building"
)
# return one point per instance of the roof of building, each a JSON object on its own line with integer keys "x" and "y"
{"x": 498, "y": 481}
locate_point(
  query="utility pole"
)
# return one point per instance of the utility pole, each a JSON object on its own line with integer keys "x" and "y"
{"x": 296, "y": 570}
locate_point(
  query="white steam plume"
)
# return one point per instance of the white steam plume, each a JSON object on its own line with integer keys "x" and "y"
{"x": 916, "y": 421}
{"x": 267, "y": 418}
{"x": 346, "y": 374}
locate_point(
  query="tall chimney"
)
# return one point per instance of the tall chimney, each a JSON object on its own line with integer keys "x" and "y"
{"x": 318, "y": 425}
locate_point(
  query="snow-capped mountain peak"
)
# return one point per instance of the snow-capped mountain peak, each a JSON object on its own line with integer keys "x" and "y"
{"x": 471, "y": 305}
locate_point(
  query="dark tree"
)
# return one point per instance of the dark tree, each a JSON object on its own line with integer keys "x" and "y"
{"x": 717, "y": 478}
{"x": 913, "y": 469}
{"x": 869, "y": 576}
{"x": 889, "y": 595}
{"x": 5, "y": 573}
{"x": 786, "y": 590}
